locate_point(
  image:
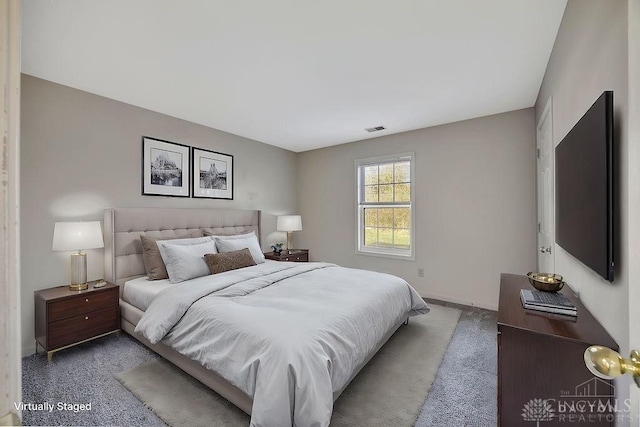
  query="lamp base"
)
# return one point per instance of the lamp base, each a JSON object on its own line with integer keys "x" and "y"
{"x": 289, "y": 240}
{"x": 78, "y": 272}
{"x": 79, "y": 287}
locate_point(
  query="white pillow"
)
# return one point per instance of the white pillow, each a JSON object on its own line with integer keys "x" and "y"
{"x": 226, "y": 244}
{"x": 182, "y": 242}
{"x": 186, "y": 262}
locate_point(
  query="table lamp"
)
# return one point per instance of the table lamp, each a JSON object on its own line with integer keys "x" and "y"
{"x": 289, "y": 223}
{"x": 76, "y": 236}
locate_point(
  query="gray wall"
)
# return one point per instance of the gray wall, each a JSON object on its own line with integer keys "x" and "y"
{"x": 81, "y": 153}
{"x": 475, "y": 205}
{"x": 589, "y": 57}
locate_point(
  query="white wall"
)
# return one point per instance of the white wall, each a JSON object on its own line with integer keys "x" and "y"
{"x": 474, "y": 201}
{"x": 589, "y": 57}
{"x": 81, "y": 153}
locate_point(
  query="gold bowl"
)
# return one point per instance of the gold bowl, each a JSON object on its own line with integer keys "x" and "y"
{"x": 547, "y": 282}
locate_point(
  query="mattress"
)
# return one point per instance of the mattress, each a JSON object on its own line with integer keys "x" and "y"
{"x": 140, "y": 291}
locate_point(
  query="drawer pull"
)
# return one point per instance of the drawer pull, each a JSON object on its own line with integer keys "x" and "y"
{"x": 86, "y": 300}
{"x": 298, "y": 259}
{"x": 86, "y": 317}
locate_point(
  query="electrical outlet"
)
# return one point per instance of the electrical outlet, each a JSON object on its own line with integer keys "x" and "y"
{"x": 421, "y": 272}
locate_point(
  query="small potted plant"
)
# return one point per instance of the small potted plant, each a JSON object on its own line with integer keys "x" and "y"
{"x": 277, "y": 248}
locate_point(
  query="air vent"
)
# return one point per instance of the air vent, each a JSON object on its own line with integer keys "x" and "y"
{"x": 375, "y": 129}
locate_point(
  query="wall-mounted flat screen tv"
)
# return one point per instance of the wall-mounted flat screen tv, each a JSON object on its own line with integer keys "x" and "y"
{"x": 584, "y": 189}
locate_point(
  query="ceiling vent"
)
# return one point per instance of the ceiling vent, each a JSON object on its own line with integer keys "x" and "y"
{"x": 375, "y": 129}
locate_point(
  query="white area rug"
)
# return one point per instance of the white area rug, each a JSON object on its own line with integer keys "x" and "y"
{"x": 389, "y": 391}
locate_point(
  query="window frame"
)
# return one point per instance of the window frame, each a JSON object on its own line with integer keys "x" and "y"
{"x": 395, "y": 253}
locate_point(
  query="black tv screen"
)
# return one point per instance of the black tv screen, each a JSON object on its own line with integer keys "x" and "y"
{"x": 584, "y": 189}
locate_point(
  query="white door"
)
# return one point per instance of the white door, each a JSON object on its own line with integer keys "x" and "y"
{"x": 545, "y": 171}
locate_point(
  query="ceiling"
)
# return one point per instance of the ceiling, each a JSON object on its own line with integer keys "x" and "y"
{"x": 298, "y": 74}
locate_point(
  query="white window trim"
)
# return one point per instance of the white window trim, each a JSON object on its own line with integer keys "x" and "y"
{"x": 409, "y": 255}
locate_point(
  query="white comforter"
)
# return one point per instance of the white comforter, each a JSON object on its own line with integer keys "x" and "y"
{"x": 287, "y": 334}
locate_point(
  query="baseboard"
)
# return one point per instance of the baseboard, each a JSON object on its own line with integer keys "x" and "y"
{"x": 493, "y": 307}
{"x": 28, "y": 350}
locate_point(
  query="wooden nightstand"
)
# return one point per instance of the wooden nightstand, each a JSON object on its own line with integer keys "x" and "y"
{"x": 294, "y": 255}
{"x": 65, "y": 318}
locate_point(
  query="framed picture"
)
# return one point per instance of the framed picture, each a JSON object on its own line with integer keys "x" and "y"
{"x": 212, "y": 174}
{"x": 165, "y": 168}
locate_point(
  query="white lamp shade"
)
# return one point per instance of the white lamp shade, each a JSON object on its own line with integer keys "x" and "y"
{"x": 75, "y": 236}
{"x": 289, "y": 223}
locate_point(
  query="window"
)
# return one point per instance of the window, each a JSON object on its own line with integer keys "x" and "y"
{"x": 385, "y": 206}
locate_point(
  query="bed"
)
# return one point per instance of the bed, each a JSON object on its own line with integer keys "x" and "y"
{"x": 279, "y": 382}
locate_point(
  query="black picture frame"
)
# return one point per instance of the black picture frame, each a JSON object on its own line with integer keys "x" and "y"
{"x": 165, "y": 168}
{"x": 212, "y": 174}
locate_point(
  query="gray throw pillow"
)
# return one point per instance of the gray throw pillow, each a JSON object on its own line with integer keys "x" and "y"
{"x": 221, "y": 262}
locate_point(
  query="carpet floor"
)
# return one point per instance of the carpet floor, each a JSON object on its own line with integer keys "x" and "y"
{"x": 465, "y": 391}
{"x": 390, "y": 390}
{"x": 460, "y": 395}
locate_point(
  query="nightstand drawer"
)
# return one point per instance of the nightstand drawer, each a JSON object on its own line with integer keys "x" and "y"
{"x": 296, "y": 257}
{"x": 83, "y": 303}
{"x": 78, "y": 328}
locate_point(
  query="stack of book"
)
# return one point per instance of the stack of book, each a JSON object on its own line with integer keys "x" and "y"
{"x": 550, "y": 302}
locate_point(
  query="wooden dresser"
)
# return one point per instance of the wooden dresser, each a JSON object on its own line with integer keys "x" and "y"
{"x": 541, "y": 356}
{"x": 65, "y": 318}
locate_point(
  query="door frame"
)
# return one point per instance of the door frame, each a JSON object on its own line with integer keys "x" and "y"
{"x": 10, "y": 331}
{"x": 547, "y": 114}
{"x": 633, "y": 138}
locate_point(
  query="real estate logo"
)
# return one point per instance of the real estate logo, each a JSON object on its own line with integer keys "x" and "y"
{"x": 590, "y": 401}
{"x": 538, "y": 410}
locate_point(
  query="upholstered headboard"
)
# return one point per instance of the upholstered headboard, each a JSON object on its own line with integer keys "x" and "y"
{"x": 123, "y": 227}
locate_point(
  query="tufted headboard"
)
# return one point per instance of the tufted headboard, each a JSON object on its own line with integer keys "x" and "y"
{"x": 123, "y": 227}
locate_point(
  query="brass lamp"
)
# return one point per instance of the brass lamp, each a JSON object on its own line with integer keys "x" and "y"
{"x": 289, "y": 223}
{"x": 608, "y": 364}
{"x": 76, "y": 236}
